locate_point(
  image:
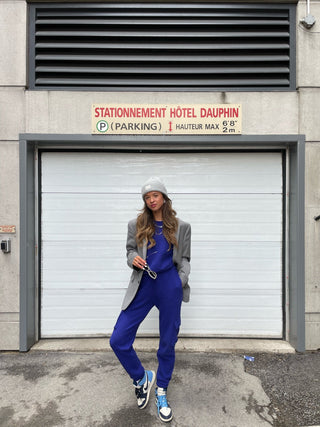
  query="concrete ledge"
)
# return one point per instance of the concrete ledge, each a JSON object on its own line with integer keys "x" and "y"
{"x": 209, "y": 345}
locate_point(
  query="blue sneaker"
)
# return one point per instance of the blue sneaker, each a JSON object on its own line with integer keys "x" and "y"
{"x": 143, "y": 388}
{"x": 164, "y": 409}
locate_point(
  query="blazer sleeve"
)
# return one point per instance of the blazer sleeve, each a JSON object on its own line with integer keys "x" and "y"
{"x": 131, "y": 246}
{"x": 184, "y": 267}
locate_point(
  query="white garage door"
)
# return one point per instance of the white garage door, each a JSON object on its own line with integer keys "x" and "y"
{"x": 234, "y": 204}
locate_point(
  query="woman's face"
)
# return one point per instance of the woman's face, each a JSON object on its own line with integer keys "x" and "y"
{"x": 154, "y": 200}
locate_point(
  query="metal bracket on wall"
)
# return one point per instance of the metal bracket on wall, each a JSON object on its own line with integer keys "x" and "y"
{"x": 6, "y": 246}
{"x": 308, "y": 21}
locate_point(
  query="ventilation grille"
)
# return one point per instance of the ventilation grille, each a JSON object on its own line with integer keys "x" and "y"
{"x": 162, "y": 46}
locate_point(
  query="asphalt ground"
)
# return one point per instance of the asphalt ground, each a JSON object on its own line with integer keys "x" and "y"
{"x": 40, "y": 389}
{"x": 292, "y": 382}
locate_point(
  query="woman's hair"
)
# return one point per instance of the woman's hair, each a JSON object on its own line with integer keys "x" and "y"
{"x": 146, "y": 227}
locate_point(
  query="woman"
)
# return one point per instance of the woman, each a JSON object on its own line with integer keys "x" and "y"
{"x": 158, "y": 251}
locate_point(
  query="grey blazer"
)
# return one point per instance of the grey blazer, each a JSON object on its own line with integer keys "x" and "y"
{"x": 181, "y": 259}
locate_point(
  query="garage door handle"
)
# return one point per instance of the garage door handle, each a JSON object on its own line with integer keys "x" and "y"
{"x": 316, "y": 218}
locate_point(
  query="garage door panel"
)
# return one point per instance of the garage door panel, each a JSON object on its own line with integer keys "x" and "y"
{"x": 70, "y": 216}
{"x": 227, "y": 280}
{"x": 63, "y": 328}
{"x": 241, "y": 253}
{"x": 233, "y": 216}
{"x": 76, "y": 279}
{"x": 88, "y": 317}
{"x": 89, "y": 300}
{"x": 246, "y": 264}
{"x": 105, "y": 172}
{"x": 64, "y": 285}
{"x": 234, "y": 297}
{"x": 78, "y": 313}
{"x": 84, "y": 215}
{"x": 227, "y": 286}
{"x": 239, "y": 314}
{"x": 226, "y": 207}
{"x": 231, "y": 328}
{"x": 215, "y": 265}
{"x": 234, "y": 204}
{"x": 234, "y": 312}
{"x": 80, "y": 261}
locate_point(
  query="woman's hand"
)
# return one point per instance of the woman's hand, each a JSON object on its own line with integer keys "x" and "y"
{"x": 139, "y": 262}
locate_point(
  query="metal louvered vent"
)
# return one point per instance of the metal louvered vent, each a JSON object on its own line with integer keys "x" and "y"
{"x": 162, "y": 46}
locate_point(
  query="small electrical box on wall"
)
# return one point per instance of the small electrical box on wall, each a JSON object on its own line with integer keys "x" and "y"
{"x": 6, "y": 246}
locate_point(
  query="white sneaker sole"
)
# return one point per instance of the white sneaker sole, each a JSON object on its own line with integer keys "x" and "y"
{"x": 149, "y": 390}
{"x": 165, "y": 420}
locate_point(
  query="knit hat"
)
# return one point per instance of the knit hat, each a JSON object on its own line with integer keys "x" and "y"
{"x": 153, "y": 184}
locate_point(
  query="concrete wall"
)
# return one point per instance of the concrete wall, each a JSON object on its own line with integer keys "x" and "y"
{"x": 12, "y": 121}
{"x": 308, "y": 83}
{"x": 70, "y": 112}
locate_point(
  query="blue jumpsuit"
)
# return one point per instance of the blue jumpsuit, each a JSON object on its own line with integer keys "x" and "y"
{"x": 165, "y": 292}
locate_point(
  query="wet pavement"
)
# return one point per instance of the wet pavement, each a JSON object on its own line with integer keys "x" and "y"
{"x": 292, "y": 382}
{"x": 87, "y": 389}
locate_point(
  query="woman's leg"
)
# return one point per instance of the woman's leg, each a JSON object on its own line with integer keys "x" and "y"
{"x": 125, "y": 330}
{"x": 169, "y": 299}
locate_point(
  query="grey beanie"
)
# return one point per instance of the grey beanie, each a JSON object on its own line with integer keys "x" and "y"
{"x": 153, "y": 184}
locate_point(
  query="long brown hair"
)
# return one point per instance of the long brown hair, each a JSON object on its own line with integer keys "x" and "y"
{"x": 146, "y": 227}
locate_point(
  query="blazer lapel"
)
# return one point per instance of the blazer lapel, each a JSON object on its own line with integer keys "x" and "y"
{"x": 175, "y": 249}
{"x": 144, "y": 251}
